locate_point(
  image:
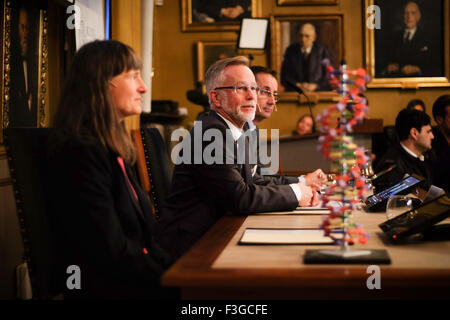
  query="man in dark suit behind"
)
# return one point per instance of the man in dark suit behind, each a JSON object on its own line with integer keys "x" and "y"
{"x": 23, "y": 103}
{"x": 302, "y": 62}
{"x": 204, "y": 190}
{"x": 266, "y": 79}
{"x": 441, "y": 142}
{"x": 411, "y": 48}
{"x": 410, "y": 153}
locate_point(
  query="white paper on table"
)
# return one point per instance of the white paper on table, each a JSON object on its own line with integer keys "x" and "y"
{"x": 301, "y": 211}
{"x": 284, "y": 236}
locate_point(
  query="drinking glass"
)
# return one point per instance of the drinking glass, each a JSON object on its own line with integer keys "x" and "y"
{"x": 397, "y": 204}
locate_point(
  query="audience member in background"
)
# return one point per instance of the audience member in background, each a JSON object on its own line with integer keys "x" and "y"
{"x": 103, "y": 218}
{"x": 441, "y": 142}
{"x": 382, "y": 142}
{"x": 203, "y": 189}
{"x": 415, "y": 136}
{"x": 266, "y": 79}
{"x": 305, "y": 125}
{"x": 416, "y": 104}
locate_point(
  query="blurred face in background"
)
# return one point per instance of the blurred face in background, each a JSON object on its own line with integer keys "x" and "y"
{"x": 23, "y": 28}
{"x": 307, "y": 35}
{"x": 411, "y": 15}
{"x": 418, "y": 107}
{"x": 444, "y": 123}
{"x": 305, "y": 125}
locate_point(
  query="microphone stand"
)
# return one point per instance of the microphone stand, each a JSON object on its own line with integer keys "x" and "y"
{"x": 300, "y": 91}
{"x": 309, "y": 106}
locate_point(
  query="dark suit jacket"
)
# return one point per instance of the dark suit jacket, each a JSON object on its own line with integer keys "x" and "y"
{"x": 406, "y": 164}
{"x": 417, "y": 52}
{"x": 20, "y": 115}
{"x": 440, "y": 155}
{"x": 293, "y": 66}
{"x": 101, "y": 227}
{"x": 202, "y": 193}
{"x": 276, "y": 179}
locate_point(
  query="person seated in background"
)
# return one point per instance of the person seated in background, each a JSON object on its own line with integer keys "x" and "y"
{"x": 416, "y": 104}
{"x": 206, "y": 188}
{"x": 266, "y": 79}
{"x": 305, "y": 125}
{"x": 102, "y": 217}
{"x": 441, "y": 142}
{"x": 382, "y": 142}
{"x": 409, "y": 154}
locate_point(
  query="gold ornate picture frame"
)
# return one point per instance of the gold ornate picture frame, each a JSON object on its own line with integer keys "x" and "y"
{"x": 209, "y": 52}
{"x": 284, "y": 35}
{"x": 205, "y": 15}
{"x": 396, "y": 59}
{"x": 306, "y": 2}
{"x": 24, "y": 65}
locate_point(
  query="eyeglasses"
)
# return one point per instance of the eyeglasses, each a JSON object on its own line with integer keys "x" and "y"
{"x": 241, "y": 90}
{"x": 268, "y": 94}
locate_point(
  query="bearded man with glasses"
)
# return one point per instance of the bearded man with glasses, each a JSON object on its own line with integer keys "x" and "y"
{"x": 204, "y": 191}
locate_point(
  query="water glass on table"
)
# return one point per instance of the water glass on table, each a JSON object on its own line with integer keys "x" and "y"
{"x": 397, "y": 204}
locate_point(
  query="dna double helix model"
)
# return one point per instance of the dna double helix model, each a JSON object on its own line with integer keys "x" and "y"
{"x": 347, "y": 159}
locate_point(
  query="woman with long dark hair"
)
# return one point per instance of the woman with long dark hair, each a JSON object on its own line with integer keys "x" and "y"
{"x": 103, "y": 218}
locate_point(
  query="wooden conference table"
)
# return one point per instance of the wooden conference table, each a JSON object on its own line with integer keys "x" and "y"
{"x": 218, "y": 268}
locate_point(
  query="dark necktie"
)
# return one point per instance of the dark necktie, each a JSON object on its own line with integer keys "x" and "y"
{"x": 237, "y": 149}
{"x": 408, "y": 34}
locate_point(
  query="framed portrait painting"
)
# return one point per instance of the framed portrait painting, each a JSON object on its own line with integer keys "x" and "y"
{"x": 407, "y": 43}
{"x": 306, "y": 2}
{"x": 300, "y": 44}
{"x": 216, "y": 15}
{"x": 24, "y": 64}
{"x": 209, "y": 52}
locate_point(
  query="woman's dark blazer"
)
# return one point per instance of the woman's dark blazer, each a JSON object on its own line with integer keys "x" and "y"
{"x": 101, "y": 227}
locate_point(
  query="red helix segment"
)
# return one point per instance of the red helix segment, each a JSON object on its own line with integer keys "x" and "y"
{"x": 347, "y": 159}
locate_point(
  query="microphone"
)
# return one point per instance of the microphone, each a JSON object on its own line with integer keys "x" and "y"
{"x": 382, "y": 173}
{"x": 300, "y": 91}
{"x": 295, "y": 87}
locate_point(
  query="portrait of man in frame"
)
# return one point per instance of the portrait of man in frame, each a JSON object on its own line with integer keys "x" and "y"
{"x": 210, "y": 11}
{"x": 410, "y": 42}
{"x": 216, "y": 15}
{"x": 209, "y": 52}
{"x": 24, "y": 64}
{"x": 300, "y": 44}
